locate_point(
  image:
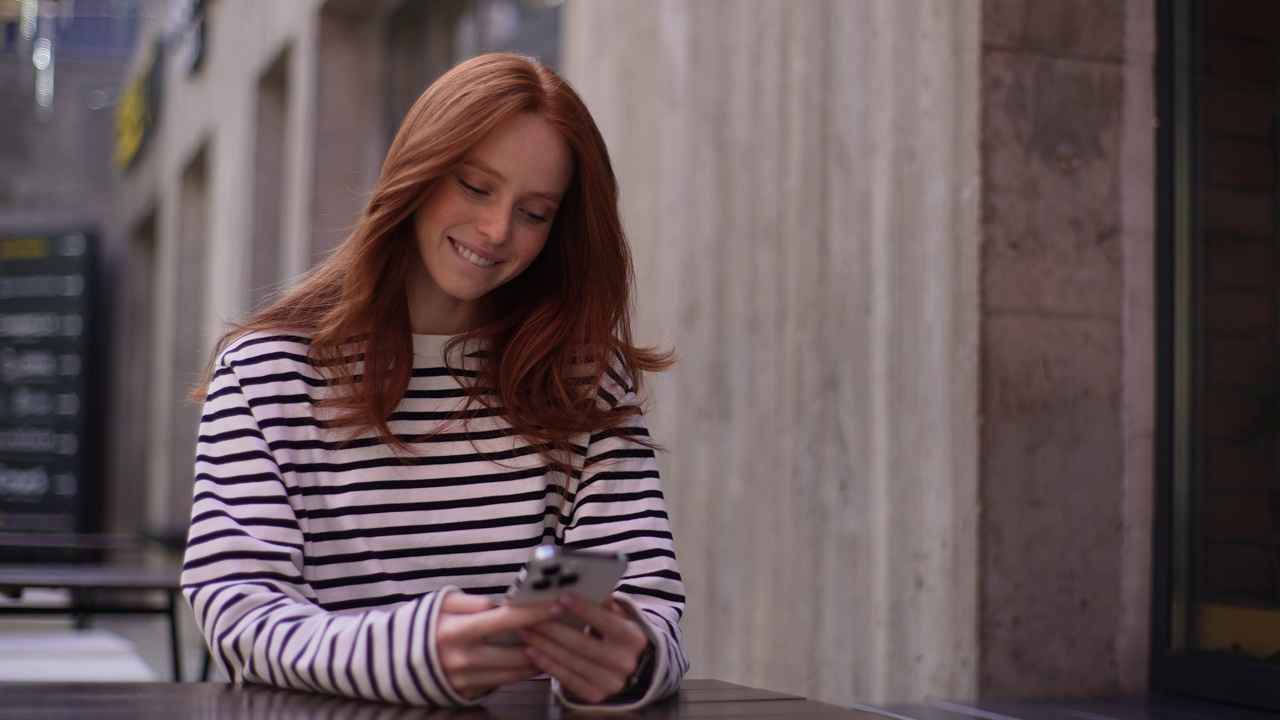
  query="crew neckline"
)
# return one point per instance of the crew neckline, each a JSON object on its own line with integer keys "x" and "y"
{"x": 431, "y": 346}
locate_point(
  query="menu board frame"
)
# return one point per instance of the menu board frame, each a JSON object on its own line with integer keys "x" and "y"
{"x": 50, "y": 370}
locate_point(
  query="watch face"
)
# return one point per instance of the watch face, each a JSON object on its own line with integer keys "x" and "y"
{"x": 639, "y": 679}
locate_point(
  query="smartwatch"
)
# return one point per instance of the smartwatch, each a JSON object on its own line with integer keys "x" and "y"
{"x": 639, "y": 681}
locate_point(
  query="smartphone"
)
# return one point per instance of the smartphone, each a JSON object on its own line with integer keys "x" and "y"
{"x": 553, "y": 571}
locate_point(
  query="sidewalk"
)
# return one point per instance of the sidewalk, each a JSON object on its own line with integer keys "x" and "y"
{"x": 119, "y": 648}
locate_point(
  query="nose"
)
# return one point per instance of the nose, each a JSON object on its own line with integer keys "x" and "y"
{"x": 495, "y": 223}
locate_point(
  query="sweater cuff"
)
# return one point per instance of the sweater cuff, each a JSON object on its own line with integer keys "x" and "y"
{"x": 658, "y": 673}
{"x": 451, "y": 696}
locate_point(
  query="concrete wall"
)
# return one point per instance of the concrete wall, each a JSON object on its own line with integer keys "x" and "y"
{"x": 800, "y": 183}
{"x": 266, "y": 150}
{"x": 1067, "y": 346}
{"x": 201, "y": 160}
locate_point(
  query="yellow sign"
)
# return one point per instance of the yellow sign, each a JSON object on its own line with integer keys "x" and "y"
{"x": 136, "y": 111}
{"x": 24, "y": 248}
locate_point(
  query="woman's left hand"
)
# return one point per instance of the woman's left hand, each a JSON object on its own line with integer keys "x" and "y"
{"x": 592, "y": 666}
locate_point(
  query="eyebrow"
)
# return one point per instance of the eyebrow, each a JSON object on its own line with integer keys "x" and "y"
{"x": 548, "y": 196}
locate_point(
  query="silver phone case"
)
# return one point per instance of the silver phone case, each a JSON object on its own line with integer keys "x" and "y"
{"x": 553, "y": 571}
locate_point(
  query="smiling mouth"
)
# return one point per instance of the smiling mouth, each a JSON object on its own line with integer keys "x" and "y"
{"x": 471, "y": 257}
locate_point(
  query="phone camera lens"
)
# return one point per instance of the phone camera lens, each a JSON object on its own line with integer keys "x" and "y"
{"x": 541, "y": 583}
{"x": 550, "y": 569}
{"x": 568, "y": 578}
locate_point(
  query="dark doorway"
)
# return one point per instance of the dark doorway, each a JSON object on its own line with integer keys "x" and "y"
{"x": 1217, "y": 590}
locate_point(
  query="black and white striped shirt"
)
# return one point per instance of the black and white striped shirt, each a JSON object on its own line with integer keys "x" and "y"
{"x": 318, "y": 565}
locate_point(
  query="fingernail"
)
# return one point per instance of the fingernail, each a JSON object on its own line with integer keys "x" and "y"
{"x": 568, "y": 600}
{"x": 531, "y": 651}
{"x": 523, "y": 634}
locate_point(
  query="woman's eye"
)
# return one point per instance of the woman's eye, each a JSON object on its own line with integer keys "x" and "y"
{"x": 534, "y": 217}
{"x": 471, "y": 188}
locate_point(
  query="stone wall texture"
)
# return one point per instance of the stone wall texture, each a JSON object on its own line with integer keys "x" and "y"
{"x": 800, "y": 184}
{"x": 1066, "y": 339}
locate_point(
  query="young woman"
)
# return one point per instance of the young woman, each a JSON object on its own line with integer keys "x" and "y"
{"x": 382, "y": 449}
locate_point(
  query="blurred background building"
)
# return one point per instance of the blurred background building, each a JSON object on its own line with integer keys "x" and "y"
{"x": 60, "y": 68}
{"x": 976, "y": 299}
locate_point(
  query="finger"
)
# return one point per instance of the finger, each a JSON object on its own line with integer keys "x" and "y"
{"x": 459, "y": 602}
{"x": 473, "y": 668}
{"x": 616, "y": 627}
{"x": 471, "y": 685}
{"x": 591, "y": 683}
{"x": 617, "y": 608}
{"x": 464, "y": 658}
{"x": 503, "y": 618}
{"x": 587, "y": 654}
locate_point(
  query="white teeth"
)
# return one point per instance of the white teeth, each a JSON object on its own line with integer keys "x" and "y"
{"x": 471, "y": 257}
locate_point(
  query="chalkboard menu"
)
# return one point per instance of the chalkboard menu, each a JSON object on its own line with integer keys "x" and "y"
{"x": 44, "y": 381}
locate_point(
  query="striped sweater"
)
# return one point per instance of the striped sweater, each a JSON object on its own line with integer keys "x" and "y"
{"x": 319, "y": 565}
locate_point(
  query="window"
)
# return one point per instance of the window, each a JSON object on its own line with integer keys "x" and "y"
{"x": 1217, "y": 611}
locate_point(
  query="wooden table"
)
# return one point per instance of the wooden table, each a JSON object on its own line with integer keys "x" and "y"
{"x": 529, "y": 700}
{"x": 104, "y": 588}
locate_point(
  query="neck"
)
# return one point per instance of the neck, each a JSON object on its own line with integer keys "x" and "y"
{"x": 433, "y": 313}
{"x": 422, "y": 321}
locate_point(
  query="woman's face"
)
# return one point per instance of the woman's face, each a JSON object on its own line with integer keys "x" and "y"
{"x": 485, "y": 222}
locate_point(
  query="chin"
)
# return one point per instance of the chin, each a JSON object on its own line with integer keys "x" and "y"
{"x": 469, "y": 294}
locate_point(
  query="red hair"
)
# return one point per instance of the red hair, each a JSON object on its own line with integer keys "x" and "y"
{"x": 565, "y": 319}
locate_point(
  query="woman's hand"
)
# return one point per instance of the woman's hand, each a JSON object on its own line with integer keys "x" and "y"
{"x": 592, "y": 666}
{"x": 472, "y": 666}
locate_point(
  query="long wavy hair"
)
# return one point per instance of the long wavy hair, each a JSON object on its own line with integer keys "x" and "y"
{"x": 549, "y": 335}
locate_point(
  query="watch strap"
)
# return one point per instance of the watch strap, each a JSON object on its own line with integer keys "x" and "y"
{"x": 643, "y": 674}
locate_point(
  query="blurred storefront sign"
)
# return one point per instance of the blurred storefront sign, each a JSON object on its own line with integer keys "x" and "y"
{"x": 184, "y": 33}
{"x": 139, "y": 109}
{"x": 45, "y": 311}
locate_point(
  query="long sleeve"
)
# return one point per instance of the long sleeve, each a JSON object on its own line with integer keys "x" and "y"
{"x": 317, "y": 562}
{"x": 620, "y": 508}
{"x": 245, "y": 577}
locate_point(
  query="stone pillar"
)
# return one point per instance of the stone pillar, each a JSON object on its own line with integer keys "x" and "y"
{"x": 800, "y": 183}
{"x": 1067, "y": 345}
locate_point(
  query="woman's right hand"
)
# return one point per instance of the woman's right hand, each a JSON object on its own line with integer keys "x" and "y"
{"x": 472, "y": 666}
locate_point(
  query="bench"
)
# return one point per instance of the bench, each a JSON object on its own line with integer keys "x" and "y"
{"x": 95, "y": 586}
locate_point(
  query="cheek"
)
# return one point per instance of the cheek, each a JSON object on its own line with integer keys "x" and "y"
{"x": 532, "y": 247}
{"x": 420, "y": 227}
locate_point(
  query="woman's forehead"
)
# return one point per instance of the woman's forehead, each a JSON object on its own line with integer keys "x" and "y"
{"x": 526, "y": 152}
